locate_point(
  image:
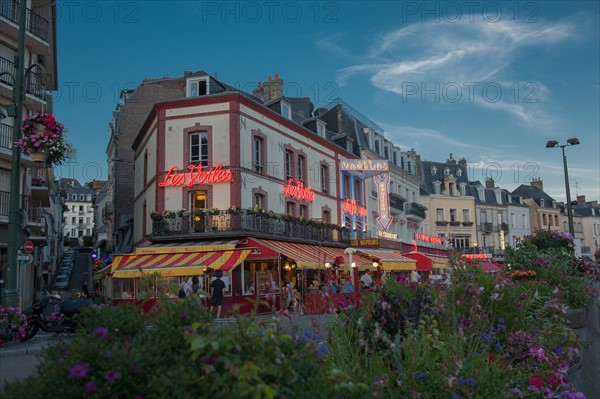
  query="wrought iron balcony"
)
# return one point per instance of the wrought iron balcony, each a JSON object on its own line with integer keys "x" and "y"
{"x": 486, "y": 226}
{"x": 441, "y": 223}
{"x": 455, "y": 223}
{"x": 416, "y": 209}
{"x": 397, "y": 201}
{"x": 36, "y": 24}
{"x": 244, "y": 222}
{"x": 34, "y": 85}
{"x": 504, "y": 227}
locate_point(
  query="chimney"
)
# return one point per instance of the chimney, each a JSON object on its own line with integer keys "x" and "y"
{"x": 451, "y": 160}
{"x": 269, "y": 90}
{"x": 581, "y": 199}
{"x": 321, "y": 111}
{"x": 462, "y": 161}
{"x": 538, "y": 183}
{"x": 187, "y": 73}
{"x": 489, "y": 183}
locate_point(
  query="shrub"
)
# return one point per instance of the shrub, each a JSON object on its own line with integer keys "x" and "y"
{"x": 12, "y": 324}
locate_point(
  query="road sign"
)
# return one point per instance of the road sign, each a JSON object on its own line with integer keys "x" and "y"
{"x": 28, "y": 247}
{"x": 27, "y": 258}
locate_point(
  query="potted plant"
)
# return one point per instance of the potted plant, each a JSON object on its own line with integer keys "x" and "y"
{"x": 156, "y": 216}
{"x": 199, "y": 212}
{"x": 12, "y": 324}
{"x": 168, "y": 214}
{"x": 215, "y": 211}
{"x": 43, "y": 138}
{"x": 234, "y": 210}
{"x": 544, "y": 239}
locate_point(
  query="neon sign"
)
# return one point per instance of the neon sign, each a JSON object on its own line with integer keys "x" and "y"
{"x": 429, "y": 239}
{"x": 351, "y": 207}
{"x": 298, "y": 191}
{"x": 196, "y": 176}
{"x": 475, "y": 256}
{"x": 365, "y": 165}
{"x": 383, "y": 188}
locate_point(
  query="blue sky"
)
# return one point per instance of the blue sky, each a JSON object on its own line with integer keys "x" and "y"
{"x": 490, "y": 81}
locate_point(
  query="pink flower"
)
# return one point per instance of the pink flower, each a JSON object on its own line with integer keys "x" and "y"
{"x": 90, "y": 387}
{"x": 536, "y": 381}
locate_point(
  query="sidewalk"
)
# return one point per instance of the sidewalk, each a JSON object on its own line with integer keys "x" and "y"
{"x": 33, "y": 346}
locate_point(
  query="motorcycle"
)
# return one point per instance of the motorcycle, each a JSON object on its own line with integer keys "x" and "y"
{"x": 53, "y": 314}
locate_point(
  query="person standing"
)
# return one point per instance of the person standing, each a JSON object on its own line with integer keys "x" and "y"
{"x": 216, "y": 293}
{"x": 366, "y": 280}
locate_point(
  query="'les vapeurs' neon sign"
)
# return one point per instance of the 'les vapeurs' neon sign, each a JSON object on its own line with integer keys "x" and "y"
{"x": 196, "y": 176}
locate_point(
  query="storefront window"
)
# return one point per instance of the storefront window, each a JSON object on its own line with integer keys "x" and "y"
{"x": 167, "y": 287}
{"x": 123, "y": 288}
{"x": 266, "y": 277}
{"x": 243, "y": 280}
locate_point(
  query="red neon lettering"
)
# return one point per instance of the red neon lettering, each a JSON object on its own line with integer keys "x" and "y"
{"x": 426, "y": 238}
{"x": 298, "y": 191}
{"x": 351, "y": 207}
{"x": 196, "y": 176}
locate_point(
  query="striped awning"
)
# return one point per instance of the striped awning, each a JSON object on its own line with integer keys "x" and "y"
{"x": 185, "y": 263}
{"x": 389, "y": 259}
{"x": 307, "y": 255}
{"x": 188, "y": 246}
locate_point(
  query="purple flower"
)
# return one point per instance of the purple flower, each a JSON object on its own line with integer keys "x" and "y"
{"x": 137, "y": 397}
{"x": 112, "y": 375}
{"x": 419, "y": 375}
{"x": 78, "y": 371}
{"x": 183, "y": 316}
{"x": 469, "y": 381}
{"x": 100, "y": 332}
{"x": 90, "y": 387}
{"x": 135, "y": 369}
{"x": 522, "y": 296}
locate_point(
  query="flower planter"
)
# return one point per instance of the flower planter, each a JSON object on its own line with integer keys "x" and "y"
{"x": 40, "y": 129}
{"x": 40, "y": 156}
{"x": 577, "y": 318}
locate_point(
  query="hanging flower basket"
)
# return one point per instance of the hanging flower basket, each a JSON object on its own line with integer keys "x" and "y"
{"x": 43, "y": 138}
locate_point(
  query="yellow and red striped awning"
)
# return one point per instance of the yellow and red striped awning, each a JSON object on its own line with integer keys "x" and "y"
{"x": 183, "y": 263}
{"x": 389, "y": 259}
{"x": 307, "y": 255}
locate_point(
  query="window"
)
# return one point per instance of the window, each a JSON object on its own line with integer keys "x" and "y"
{"x": 439, "y": 214}
{"x": 81, "y": 197}
{"x": 288, "y": 164}
{"x": 303, "y": 212}
{"x": 324, "y": 178}
{"x": 301, "y": 168}
{"x": 512, "y": 220}
{"x": 395, "y": 158}
{"x": 73, "y": 220}
{"x": 80, "y": 220}
{"x": 483, "y": 217}
{"x": 326, "y": 216}
{"x": 347, "y": 190}
{"x": 80, "y": 209}
{"x": 258, "y": 159}
{"x": 80, "y": 233}
{"x": 320, "y": 129}
{"x": 73, "y": 233}
{"x": 259, "y": 200}
{"x": 453, "y": 215}
{"x": 556, "y": 220}
{"x": 544, "y": 219}
{"x": 199, "y": 149}
{"x": 74, "y": 197}
{"x": 289, "y": 208}
{"x": 348, "y": 145}
{"x": 87, "y": 220}
{"x": 286, "y": 111}
{"x": 146, "y": 167}
{"x": 358, "y": 191}
{"x": 463, "y": 189}
{"x": 524, "y": 220}
{"x": 377, "y": 146}
{"x": 542, "y": 202}
{"x": 197, "y": 87}
{"x": 386, "y": 152}
{"x": 465, "y": 213}
{"x": 88, "y": 197}
{"x": 74, "y": 208}
{"x": 87, "y": 232}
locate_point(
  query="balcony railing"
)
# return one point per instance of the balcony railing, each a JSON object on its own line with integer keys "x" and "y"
{"x": 455, "y": 223}
{"x": 504, "y": 227}
{"x": 36, "y": 24}
{"x": 415, "y": 209}
{"x": 34, "y": 85}
{"x": 441, "y": 223}
{"x": 486, "y": 226}
{"x": 397, "y": 201}
{"x": 244, "y": 222}
{"x": 32, "y": 207}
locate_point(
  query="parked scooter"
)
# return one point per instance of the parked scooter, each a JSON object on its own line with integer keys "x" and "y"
{"x": 52, "y": 314}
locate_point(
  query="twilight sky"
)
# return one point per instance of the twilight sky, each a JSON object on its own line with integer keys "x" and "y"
{"x": 490, "y": 81}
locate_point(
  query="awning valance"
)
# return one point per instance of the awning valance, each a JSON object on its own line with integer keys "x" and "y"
{"x": 176, "y": 264}
{"x": 389, "y": 259}
{"x": 188, "y": 246}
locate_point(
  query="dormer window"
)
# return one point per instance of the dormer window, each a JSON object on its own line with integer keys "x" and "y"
{"x": 554, "y": 204}
{"x": 446, "y": 171}
{"x": 437, "y": 185}
{"x": 320, "y": 129}
{"x": 463, "y": 189}
{"x": 386, "y": 153}
{"x": 348, "y": 146}
{"x": 377, "y": 146}
{"x": 198, "y": 87}
{"x": 458, "y": 172}
{"x": 286, "y": 110}
{"x": 542, "y": 202}
{"x": 433, "y": 170}
{"x": 395, "y": 158}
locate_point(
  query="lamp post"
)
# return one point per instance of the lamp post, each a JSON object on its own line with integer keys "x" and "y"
{"x": 554, "y": 144}
{"x": 10, "y": 291}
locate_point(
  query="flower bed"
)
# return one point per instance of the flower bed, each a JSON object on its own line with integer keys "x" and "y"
{"x": 12, "y": 324}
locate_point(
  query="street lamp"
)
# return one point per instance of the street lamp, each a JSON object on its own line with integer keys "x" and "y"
{"x": 554, "y": 144}
{"x": 10, "y": 291}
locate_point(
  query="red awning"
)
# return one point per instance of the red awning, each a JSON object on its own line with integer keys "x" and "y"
{"x": 389, "y": 259}
{"x": 423, "y": 262}
{"x": 488, "y": 265}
